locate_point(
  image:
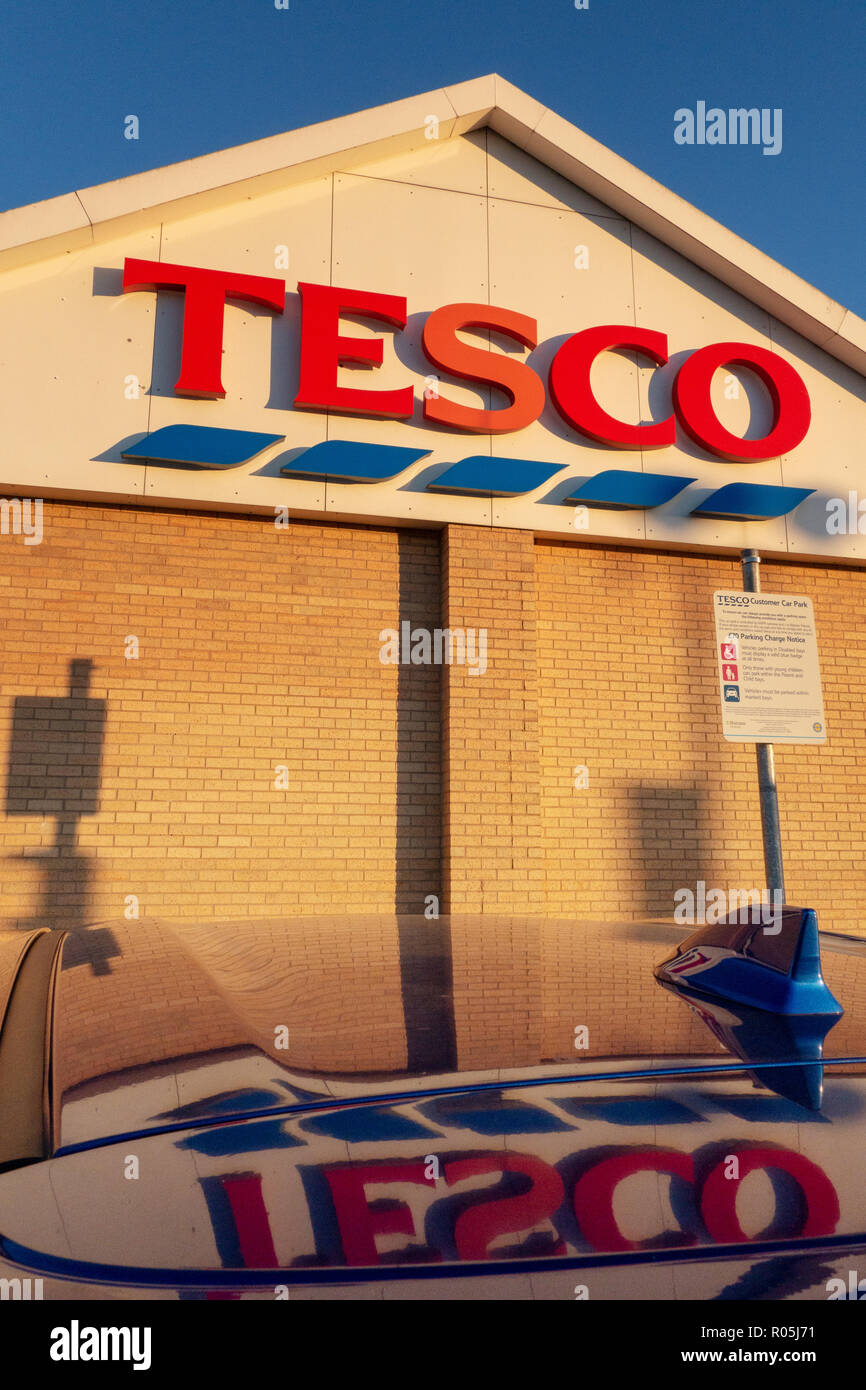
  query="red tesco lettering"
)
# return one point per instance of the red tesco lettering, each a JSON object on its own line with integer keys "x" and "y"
{"x": 323, "y": 349}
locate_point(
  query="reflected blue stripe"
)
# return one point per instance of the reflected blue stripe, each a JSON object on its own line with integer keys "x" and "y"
{"x": 634, "y": 1110}
{"x": 261, "y": 1137}
{"x": 82, "y": 1271}
{"x": 365, "y": 1126}
{"x": 492, "y": 1115}
{"x": 711, "y": 1069}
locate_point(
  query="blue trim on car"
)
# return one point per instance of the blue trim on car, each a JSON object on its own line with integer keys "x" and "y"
{"x": 476, "y": 1087}
{"x": 131, "y": 1276}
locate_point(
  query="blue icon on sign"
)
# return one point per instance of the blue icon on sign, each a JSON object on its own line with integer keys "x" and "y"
{"x": 732, "y": 694}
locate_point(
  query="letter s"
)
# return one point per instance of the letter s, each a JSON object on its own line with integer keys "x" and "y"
{"x": 516, "y": 379}
{"x": 478, "y": 1225}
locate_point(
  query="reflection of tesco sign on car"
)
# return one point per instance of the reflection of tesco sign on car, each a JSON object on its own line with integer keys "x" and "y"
{"x": 582, "y": 1208}
{"x": 324, "y": 349}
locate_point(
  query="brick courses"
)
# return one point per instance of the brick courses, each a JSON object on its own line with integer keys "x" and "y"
{"x": 628, "y": 689}
{"x": 259, "y": 648}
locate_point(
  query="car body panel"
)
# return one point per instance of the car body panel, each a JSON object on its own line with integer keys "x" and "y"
{"x": 548, "y": 1164}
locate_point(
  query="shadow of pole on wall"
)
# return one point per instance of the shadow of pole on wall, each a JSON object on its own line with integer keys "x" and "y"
{"x": 55, "y": 758}
{"x": 672, "y": 848}
{"x": 424, "y": 935}
{"x": 419, "y": 732}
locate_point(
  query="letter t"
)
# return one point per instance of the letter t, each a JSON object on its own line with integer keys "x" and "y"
{"x": 205, "y": 294}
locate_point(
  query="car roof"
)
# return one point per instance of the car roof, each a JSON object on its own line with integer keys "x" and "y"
{"x": 154, "y": 1022}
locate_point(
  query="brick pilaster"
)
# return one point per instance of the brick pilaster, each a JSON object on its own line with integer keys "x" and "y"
{"x": 491, "y": 827}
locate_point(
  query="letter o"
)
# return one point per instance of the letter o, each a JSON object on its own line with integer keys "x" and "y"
{"x": 719, "y": 1194}
{"x": 791, "y": 409}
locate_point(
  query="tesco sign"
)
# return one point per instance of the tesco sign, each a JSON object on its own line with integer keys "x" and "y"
{"x": 323, "y": 349}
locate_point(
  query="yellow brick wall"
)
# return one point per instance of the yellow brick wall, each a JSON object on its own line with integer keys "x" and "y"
{"x": 491, "y": 837}
{"x": 258, "y": 647}
{"x": 628, "y": 689}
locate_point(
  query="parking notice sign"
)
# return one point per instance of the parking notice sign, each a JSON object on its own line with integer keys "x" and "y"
{"x": 769, "y": 677}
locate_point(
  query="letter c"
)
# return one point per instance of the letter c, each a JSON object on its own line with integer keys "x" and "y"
{"x": 573, "y": 397}
{"x": 593, "y": 1194}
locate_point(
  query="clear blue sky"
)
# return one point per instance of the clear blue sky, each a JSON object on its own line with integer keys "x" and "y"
{"x": 205, "y": 74}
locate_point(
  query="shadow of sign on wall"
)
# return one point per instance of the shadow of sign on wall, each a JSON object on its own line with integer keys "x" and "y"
{"x": 55, "y": 760}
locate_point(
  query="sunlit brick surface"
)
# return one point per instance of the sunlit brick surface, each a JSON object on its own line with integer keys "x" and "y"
{"x": 492, "y": 832}
{"x": 148, "y": 784}
{"x": 628, "y": 689}
{"x": 258, "y": 649}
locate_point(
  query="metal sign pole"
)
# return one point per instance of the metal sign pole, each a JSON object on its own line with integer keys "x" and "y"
{"x": 766, "y": 766}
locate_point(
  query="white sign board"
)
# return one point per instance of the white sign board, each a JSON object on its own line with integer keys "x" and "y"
{"x": 769, "y": 678}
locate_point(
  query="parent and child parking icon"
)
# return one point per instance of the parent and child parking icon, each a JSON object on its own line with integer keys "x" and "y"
{"x": 730, "y": 672}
